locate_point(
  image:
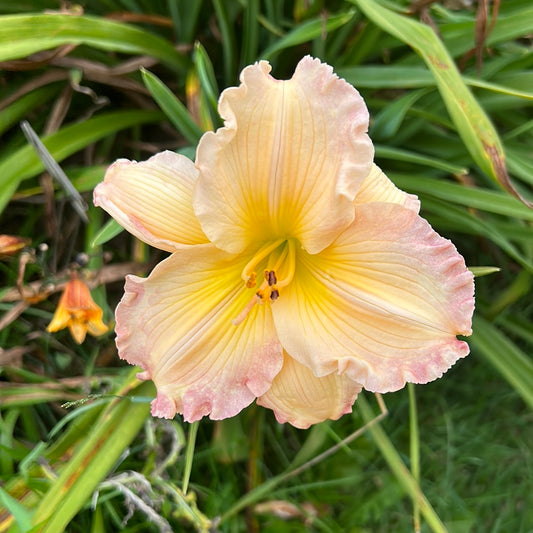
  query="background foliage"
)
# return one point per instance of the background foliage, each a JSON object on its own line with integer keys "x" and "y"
{"x": 449, "y": 88}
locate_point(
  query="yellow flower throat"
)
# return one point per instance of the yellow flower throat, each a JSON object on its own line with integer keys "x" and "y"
{"x": 278, "y": 273}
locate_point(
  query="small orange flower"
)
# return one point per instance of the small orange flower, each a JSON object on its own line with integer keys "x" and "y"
{"x": 78, "y": 311}
{"x": 11, "y": 244}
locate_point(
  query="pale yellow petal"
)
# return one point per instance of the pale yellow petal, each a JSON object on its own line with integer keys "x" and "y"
{"x": 78, "y": 330}
{"x": 153, "y": 200}
{"x": 383, "y": 303}
{"x": 377, "y": 187}
{"x": 178, "y": 325}
{"x": 60, "y": 319}
{"x": 300, "y": 398}
{"x": 95, "y": 325}
{"x": 288, "y": 161}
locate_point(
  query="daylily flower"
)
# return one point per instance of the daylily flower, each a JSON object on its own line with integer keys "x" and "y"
{"x": 298, "y": 272}
{"x": 78, "y": 311}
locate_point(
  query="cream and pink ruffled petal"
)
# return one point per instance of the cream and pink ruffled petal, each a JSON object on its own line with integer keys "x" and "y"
{"x": 377, "y": 187}
{"x": 177, "y": 325}
{"x": 288, "y": 162}
{"x": 153, "y": 200}
{"x": 300, "y": 398}
{"x": 383, "y": 303}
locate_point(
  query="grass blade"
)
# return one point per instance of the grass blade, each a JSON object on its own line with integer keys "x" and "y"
{"x": 24, "y": 162}
{"x": 98, "y": 453}
{"x": 399, "y": 154}
{"x": 110, "y": 229}
{"x": 414, "y": 447}
{"x": 185, "y": 16}
{"x": 23, "y": 35}
{"x": 21, "y": 515}
{"x": 514, "y": 365}
{"x": 388, "y": 77}
{"x": 484, "y": 199}
{"x": 19, "y": 108}
{"x": 176, "y": 112}
{"x": 229, "y": 48}
{"x": 404, "y": 477}
{"x": 206, "y": 75}
{"x": 473, "y": 125}
{"x": 307, "y": 31}
{"x": 250, "y": 38}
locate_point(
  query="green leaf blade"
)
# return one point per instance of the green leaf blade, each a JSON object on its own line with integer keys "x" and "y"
{"x": 24, "y": 162}
{"x": 472, "y": 124}
{"x": 176, "y": 112}
{"x": 23, "y": 35}
{"x": 513, "y": 364}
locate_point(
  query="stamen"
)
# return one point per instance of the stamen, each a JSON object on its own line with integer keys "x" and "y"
{"x": 257, "y": 298}
{"x": 239, "y": 319}
{"x": 268, "y": 291}
{"x": 248, "y": 272}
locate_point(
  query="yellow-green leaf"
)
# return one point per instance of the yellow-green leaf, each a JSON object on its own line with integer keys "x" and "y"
{"x": 471, "y": 121}
{"x": 23, "y": 35}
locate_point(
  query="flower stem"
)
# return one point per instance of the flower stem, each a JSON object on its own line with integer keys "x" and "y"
{"x": 414, "y": 450}
{"x": 399, "y": 469}
{"x": 189, "y": 454}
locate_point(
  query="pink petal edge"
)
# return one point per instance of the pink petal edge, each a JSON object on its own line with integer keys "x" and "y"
{"x": 220, "y": 392}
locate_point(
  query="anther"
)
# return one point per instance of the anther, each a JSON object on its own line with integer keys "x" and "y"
{"x": 274, "y": 294}
{"x": 252, "y": 280}
{"x": 270, "y": 277}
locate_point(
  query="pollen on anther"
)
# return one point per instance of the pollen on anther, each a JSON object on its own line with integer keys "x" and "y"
{"x": 270, "y": 277}
{"x": 274, "y": 294}
{"x": 252, "y": 280}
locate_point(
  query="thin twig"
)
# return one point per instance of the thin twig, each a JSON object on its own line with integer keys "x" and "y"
{"x": 106, "y": 274}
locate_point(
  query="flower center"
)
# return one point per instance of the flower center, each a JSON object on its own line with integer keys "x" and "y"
{"x": 278, "y": 259}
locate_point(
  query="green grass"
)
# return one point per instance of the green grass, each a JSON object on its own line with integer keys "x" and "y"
{"x": 450, "y": 128}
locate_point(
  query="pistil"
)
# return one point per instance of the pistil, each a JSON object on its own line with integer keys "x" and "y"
{"x": 288, "y": 259}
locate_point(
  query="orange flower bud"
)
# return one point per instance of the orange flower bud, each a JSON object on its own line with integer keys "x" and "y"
{"x": 78, "y": 311}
